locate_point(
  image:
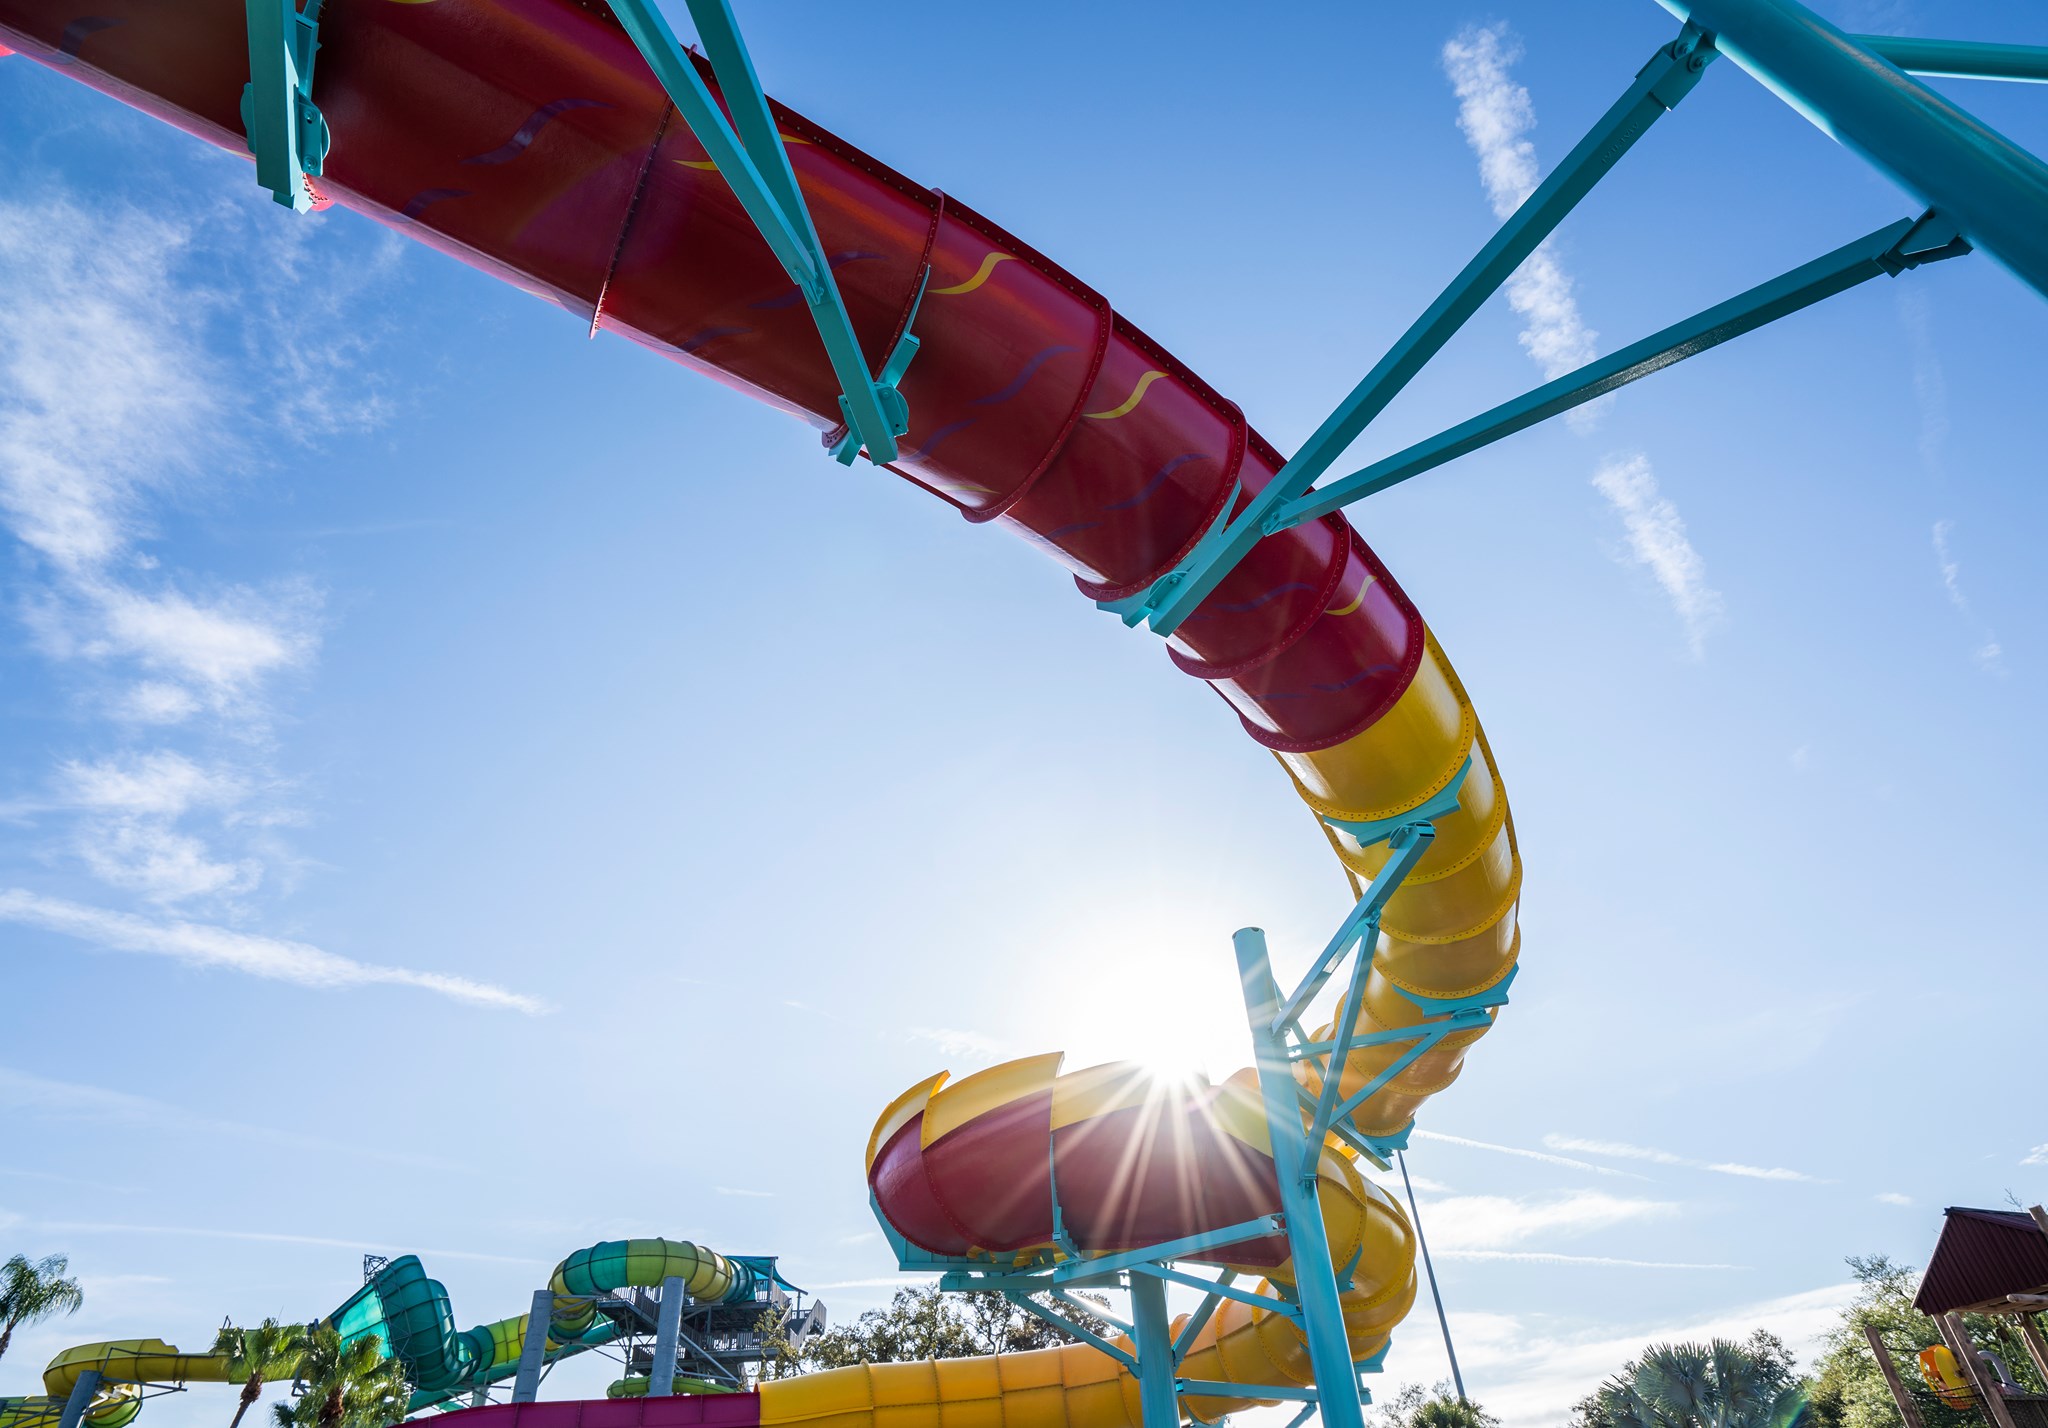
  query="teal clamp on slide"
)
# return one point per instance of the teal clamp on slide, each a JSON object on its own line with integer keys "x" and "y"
{"x": 286, "y": 130}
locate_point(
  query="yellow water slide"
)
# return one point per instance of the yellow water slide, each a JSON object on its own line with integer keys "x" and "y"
{"x": 126, "y": 1365}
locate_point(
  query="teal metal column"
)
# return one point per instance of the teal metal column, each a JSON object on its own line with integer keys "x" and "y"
{"x": 1153, "y": 1334}
{"x": 81, "y": 1399}
{"x": 1315, "y": 1278}
{"x": 1992, "y": 188}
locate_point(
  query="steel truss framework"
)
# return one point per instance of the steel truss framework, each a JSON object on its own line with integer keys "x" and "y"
{"x": 1979, "y": 189}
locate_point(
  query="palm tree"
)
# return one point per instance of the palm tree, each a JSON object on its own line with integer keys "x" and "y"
{"x": 1447, "y": 1410}
{"x": 348, "y": 1385}
{"x": 267, "y": 1352}
{"x": 1717, "y": 1385}
{"x": 32, "y": 1290}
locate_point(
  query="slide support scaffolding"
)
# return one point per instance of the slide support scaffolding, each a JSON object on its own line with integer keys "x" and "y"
{"x": 1994, "y": 190}
{"x": 1981, "y": 189}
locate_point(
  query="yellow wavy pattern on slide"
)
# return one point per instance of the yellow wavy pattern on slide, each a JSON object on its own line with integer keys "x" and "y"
{"x": 1130, "y": 403}
{"x": 711, "y": 164}
{"x": 1356, "y": 600}
{"x": 988, "y": 265}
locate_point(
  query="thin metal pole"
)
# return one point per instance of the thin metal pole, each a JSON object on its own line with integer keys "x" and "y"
{"x": 661, "y": 1381}
{"x": 81, "y": 1399}
{"x": 1322, "y": 1312}
{"x": 1939, "y": 152}
{"x": 1415, "y": 1214}
{"x": 1158, "y": 1405}
{"x": 533, "y": 1352}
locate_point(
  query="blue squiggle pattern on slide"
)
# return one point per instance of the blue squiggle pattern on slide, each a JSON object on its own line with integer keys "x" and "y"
{"x": 426, "y": 198}
{"x": 936, "y": 437}
{"x": 1151, "y": 487}
{"x": 1271, "y": 595}
{"x": 79, "y": 31}
{"x": 1070, "y": 530}
{"x": 1024, "y": 377}
{"x": 795, "y": 294}
{"x": 1338, "y": 688}
{"x": 705, "y": 336}
{"x": 513, "y": 147}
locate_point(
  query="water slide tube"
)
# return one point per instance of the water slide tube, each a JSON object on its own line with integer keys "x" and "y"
{"x": 410, "y": 1312}
{"x": 528, "y": 139}
{"x": 132, "y": 1361}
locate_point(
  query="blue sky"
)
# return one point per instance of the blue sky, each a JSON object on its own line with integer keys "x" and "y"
{"x": 425, "y": 824}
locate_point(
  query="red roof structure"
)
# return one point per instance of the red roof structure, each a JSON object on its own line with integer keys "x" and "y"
{"x": 1981, "y": 1257}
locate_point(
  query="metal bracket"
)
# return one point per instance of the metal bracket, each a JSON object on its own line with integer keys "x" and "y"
{"x": 286, "y": 130}
{"x": 843, "y": 443}
{"x": 750, "y": 158}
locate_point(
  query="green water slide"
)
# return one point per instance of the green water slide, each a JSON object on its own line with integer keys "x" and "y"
{"x": 409, "y": 1313}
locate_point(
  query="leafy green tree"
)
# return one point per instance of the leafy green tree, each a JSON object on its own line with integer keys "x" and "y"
{"x": 1848, "y": 1389}
{"x": 347, "y": 1385}
{"x": 1439, "y": 1407}
{"x": 31, "y": 1290}
{"x": 779, "y": 1357}
{"x": 1718, "y": 1385}
{"x": 923, "y": 1322}
{"x": 257, "y": 1356}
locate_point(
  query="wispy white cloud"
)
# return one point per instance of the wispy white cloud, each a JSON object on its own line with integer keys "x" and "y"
{"x": 1525, "y": 1154}
{"x": 2037, "y": 1156}
{"x": 262, "y": 1237}
{"x": 28, "y": 1096}
{"x": 1930, "y": 382}
{"x": 276, "y": 959}
{"x": 952, "y": 1041}
{"x": 161, "y": 782}
{"x": 113, "y": 396}
{"x": 1536, "y": 1366}
{"x": 1498, "y": 1222}
{"x": 134, "y": 380}
{"x": 1599, "y": 1260}
{"x": 1622, "y": 1150}
{"x": 1657, "y": 540}
{"x": 1988, "y": 654}
{"x": 1496, "y": 116}
{"x": 1893, "y": 1197}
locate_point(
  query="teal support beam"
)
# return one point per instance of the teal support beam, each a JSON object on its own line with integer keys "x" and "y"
{"x": 1993, "y": 189}
{"x": 1666, "y": 79}
{"x": 1158, "y": 1404}
{"x": 1322, "y": 1313}
{"x": 286, "y": 131}
{"x": 1960, "y": 59}
{"x": 755, "y": 164}
{"x": 1889, "y": 250}
{"x": 80, "y": 1399}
